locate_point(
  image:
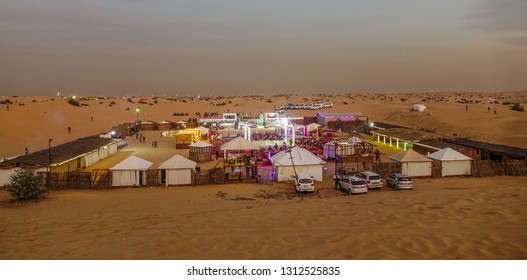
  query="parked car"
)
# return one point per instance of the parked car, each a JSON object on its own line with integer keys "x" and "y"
{"x": 315, "y": 107}
{"x": 373, "y": 179}
{"x": 399, "y": 181}
{"x": 353, "y": 185}
{"x": 304, "y": 183}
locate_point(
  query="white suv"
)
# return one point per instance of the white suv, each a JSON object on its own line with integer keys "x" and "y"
{"x": 353, "y": 184}
{"x": 373, "y": 179}
{"x": 304, "y": 183}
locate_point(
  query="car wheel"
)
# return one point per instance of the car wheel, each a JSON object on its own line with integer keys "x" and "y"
{"x": 349, "y": 191}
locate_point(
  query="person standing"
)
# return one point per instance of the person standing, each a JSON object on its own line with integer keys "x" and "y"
{"x": 336, "y": 179}
{"x": 377, "y": 155}
{"x": 27, "y": 151}
{"x": 69, "y": 130}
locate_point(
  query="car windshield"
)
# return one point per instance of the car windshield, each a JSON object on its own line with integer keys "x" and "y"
{"x": 375, "y": 177}
{"x": 305, "y": 181}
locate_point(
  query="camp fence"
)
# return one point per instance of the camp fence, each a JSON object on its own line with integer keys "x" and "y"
{"x": 78, "y": 180}
{"x": 210, "y": 176}
{"x": 266, "y": 176}
{"x": 103, "y": 179}
{"x": 488, "y": 168}
{"x": 386, "y": 168}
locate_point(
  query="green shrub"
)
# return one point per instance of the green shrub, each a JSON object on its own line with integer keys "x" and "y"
{"x": 26, "y": 184}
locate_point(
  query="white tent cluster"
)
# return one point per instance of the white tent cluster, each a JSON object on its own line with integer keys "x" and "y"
{"x": 453, "y": 163}
{"x": 176, "y": 170}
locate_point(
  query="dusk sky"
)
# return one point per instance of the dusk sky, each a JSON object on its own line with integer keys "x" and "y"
{"x": 211, "y": 47}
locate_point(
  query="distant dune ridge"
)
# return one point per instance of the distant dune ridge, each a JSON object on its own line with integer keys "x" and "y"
{"x": 30, "y": 121}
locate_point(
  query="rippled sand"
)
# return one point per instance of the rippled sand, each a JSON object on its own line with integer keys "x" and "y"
{"x": 447, "y": 218}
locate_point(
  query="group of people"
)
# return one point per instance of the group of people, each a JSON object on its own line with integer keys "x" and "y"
{"x": 210, "y": 114}
{"x": 180, "y": 114}
{"x": 139, "y": 136}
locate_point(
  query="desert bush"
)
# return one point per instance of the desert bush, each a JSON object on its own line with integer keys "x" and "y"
{"x": 73, "y": 101}
{"x": 517, "y": 107}
{"x": 26, "y": 184}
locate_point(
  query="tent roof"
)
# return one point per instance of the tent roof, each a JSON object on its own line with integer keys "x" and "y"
{"x": 201, "y": 144}
{"x": 314, "y": 124}
{"x": 238, "y": 144}
{"x": 165, "y": 121}
{"x": 177, "y": 162}
{"x": 202, "y": 128}
{"x": 409, "y": 156}
{"x": 133, "y": 163}
{"x": 448, "y": 154}
{"x": 353, "y": 139}
{"x": 60, "y": 153}
{"x": 300, "y": 156}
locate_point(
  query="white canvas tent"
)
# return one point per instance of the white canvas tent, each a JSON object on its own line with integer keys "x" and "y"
{"x": 419, "y": 107}
{"x": 203, "y": 130}
{"x": 453, "y": 163}
{"x": 178, "y": 170}
{"x": 201, "y": 144}
{"x": 413, "y": 163}
{"x": 130, "y": 172}
{"x": 239, "y": 144}
{"x": 304, "y": 162}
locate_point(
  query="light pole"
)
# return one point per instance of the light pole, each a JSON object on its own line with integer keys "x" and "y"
{"x": 137, "y": 121}
{"x": 49, "y": 152}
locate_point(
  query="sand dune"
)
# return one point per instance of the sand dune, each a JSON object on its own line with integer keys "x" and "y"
{"x": 452, "y": 218}
{"x": 41, "y": 118}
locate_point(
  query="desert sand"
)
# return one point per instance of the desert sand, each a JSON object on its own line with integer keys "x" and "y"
{"x": 444, "y": 218}
{"x": 452, "y": 218}
{"x": 40, "y": 118}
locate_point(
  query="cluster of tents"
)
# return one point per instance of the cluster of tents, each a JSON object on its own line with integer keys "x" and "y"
{"x": 178, "y": 170}
{"x": 453, "y": 163}
{"x": 132, "y": 171}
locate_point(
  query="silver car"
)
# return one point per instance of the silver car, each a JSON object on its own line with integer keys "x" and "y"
{"x": 373, "y": 179}
{"x": 304, "y": 183}
{"x": 399, "y": 181}
{"x": 353, "y": 185}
